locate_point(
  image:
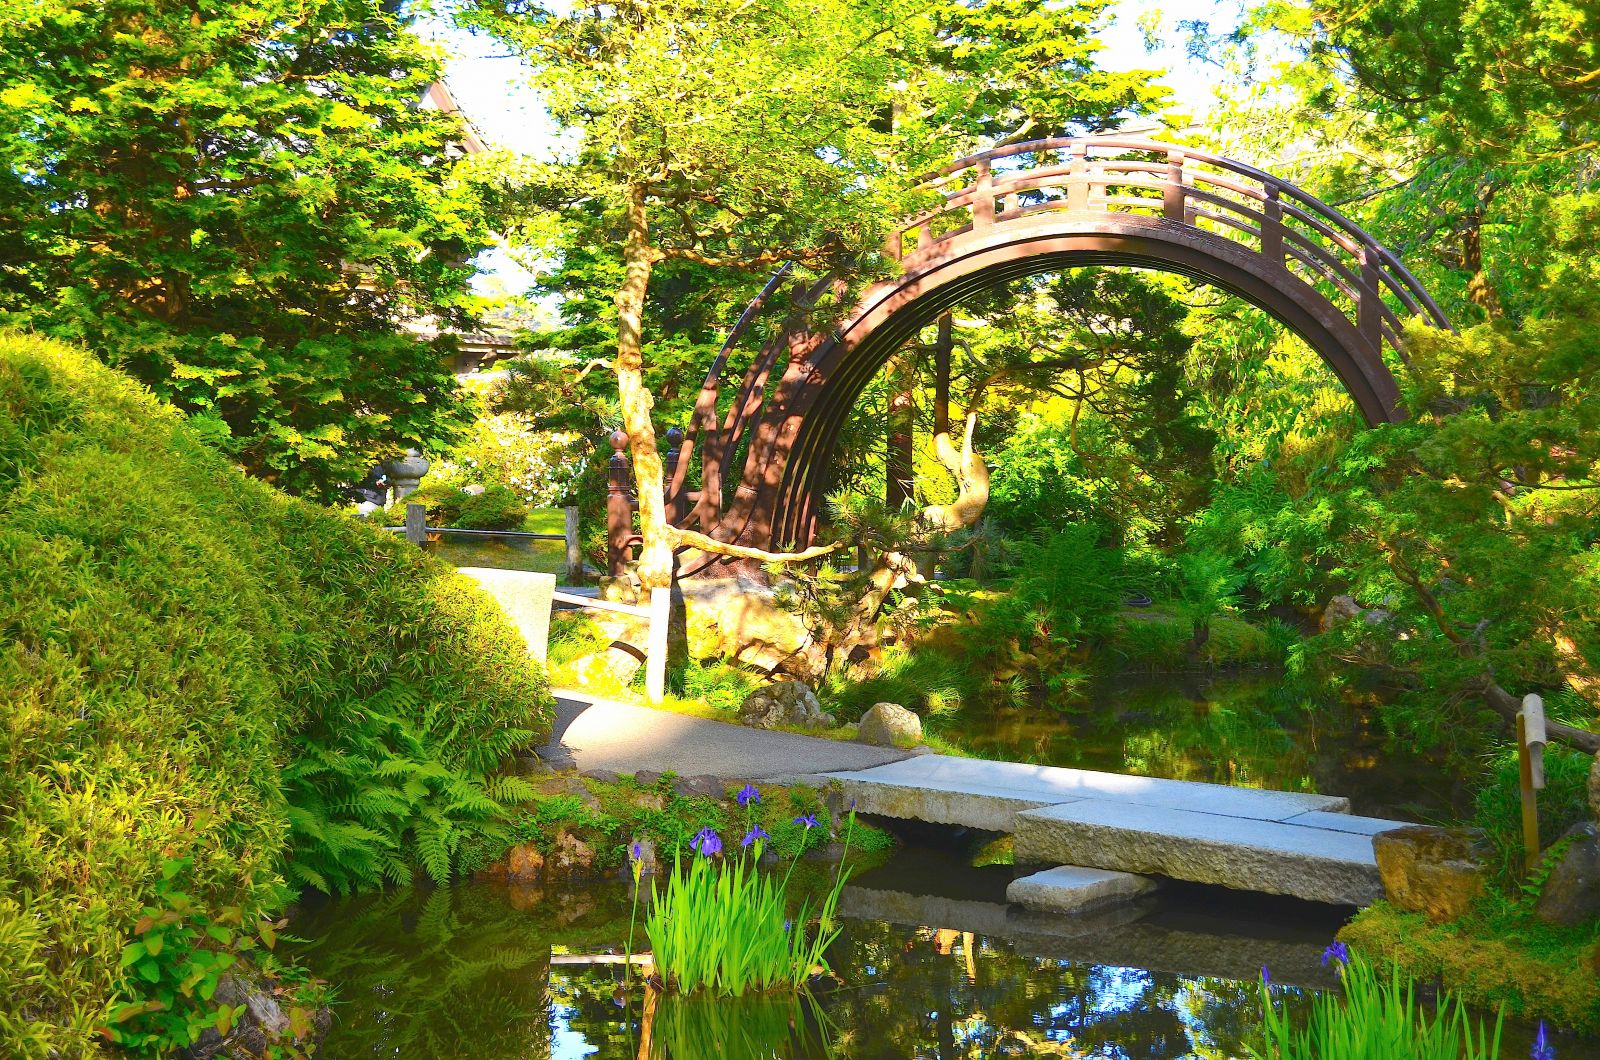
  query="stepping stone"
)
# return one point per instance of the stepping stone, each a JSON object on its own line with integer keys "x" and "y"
{"x": 1317, "y": 864}
{"x": 1072, "y": 889}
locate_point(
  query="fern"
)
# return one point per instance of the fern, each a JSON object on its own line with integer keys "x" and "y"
{"x": 376, "y": 796}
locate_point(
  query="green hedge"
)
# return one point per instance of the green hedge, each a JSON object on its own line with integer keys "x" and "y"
{"x": 196, "y": 666}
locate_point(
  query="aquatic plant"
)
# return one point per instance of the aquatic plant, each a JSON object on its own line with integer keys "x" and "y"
{"x": 721, "y": 925}
{"x": 1376, "y": 1018}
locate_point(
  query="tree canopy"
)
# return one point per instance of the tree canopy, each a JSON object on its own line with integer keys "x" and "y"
{"x": 245, "y": 207}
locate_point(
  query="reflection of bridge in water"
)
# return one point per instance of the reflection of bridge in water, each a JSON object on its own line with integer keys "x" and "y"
{"x": 763, "y": 442}
{"x": 1189, "y": 932}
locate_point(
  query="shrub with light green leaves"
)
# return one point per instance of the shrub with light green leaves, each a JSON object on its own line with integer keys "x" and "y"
{"x": 195, "y": 666}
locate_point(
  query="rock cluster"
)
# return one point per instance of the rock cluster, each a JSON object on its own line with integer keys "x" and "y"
{"x": 784, "y": 704}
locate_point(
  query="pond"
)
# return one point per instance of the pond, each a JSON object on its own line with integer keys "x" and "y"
{"x": 1245, "y": 729}
{"x": 932, "y": 964}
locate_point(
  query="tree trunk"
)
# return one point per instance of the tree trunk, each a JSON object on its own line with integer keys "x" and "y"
{"x": 655, "y": 555}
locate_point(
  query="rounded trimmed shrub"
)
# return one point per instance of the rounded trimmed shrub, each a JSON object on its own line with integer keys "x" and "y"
{"x": 195, "y": 666}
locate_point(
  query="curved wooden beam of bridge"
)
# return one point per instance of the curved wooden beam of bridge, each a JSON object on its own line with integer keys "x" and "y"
{"x": 1045, "y": 206}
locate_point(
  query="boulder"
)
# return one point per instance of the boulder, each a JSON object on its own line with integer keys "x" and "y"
{"x": 703, "y": 785}
{"x": 784, "y": 704}
{"x": 1434, "y": 871}
{"x": 739, "y": 618}
{"x": 524, "y": 863}
{"x": 1571, "y": 894}
{"x": 569, "y": 856}
{"x": 1340, "y": 610}
{"x": 617, "y": 666}
{"x": 890, "y": 725}
{"x": 262, "y": 1025}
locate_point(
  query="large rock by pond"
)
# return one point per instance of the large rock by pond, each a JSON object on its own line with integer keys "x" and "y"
{"x": 261, "y": 1025}
{"x": 1438, "y": 872}
{"x": 740, "y": 618}
{"x": 890, "y": 725}
{"x": 1571, "y": 894}
{"x": 786, "y": 704}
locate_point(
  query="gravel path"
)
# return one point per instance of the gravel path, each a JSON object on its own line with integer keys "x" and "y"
{"x": 593, "y": 733}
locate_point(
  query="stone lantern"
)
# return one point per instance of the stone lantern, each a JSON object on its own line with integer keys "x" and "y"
{"x": 405, "y": 473}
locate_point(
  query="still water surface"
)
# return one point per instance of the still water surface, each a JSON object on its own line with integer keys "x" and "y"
{"x": 932, "y": 964}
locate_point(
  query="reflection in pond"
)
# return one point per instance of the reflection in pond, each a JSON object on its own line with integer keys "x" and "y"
{"x": 932, "y": 964}
{"x": 1243, "y": 729}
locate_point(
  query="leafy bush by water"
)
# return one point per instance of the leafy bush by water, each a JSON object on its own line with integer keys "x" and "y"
{"x": 197, "y": 667}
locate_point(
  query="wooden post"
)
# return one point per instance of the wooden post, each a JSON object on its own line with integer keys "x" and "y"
{"x": 574, "y": 553}
{"x": 1530, "y": 760}
{"x": 674, "y": 502}
{"x": 1172, "y": 193}
{"x": 1272, "y": 228}
{"x": 655, "y": 656}
{"x": 619, "y": 506}
{"x": 943, "y": 346}
{"x": 983, "y": 201}
{"x": 417, "y": 524}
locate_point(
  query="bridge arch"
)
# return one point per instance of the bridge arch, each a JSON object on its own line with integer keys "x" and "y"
{"x": 1040, "y": 207}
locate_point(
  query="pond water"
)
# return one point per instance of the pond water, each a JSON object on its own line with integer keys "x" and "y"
{"x": 932, "y": 964}
{"x": 1244, "y": 729}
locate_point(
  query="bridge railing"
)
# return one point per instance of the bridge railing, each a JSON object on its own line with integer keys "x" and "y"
{"x": 1295, "y": 231}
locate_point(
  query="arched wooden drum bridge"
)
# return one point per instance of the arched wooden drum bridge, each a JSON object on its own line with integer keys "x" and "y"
{"x": 1020, "y": 210}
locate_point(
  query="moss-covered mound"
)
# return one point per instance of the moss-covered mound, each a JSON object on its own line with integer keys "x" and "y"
{"x": 199, "y": 671}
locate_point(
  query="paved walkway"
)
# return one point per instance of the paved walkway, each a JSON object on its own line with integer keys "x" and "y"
{"x": 592, "y": 733}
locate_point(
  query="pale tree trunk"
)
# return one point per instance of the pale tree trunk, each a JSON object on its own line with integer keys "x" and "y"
{"x": 655, "y": 555}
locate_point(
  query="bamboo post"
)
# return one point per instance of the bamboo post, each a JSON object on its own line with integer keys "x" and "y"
{"x": 417, "y": 524}
{"x": 655, "y": 656}
{"x": 1530, "y": 759}
{"x": 574, "y": 553}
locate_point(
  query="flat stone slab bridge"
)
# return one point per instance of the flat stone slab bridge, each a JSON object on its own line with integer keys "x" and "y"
{"x": 1107, "y": 831}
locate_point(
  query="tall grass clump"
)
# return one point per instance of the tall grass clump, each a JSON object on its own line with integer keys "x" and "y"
{"x": 199, "y": 670}
{"x": 720, "y": 926}
{"x": 1375, "y": 1018}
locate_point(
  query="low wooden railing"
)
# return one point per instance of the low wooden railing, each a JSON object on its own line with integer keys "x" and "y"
{"x": 1109, "y": 174}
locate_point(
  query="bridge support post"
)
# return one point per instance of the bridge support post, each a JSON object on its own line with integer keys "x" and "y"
{"x": 943, "y": 346}
{"x": 619, "y": 506}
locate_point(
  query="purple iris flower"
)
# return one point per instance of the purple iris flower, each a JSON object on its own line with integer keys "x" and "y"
{"x": 635, "y": 851}
{"x": 1336, "y": 951}
{"x": 1266, "y": 976}
{"x": 1542, "y": 1049}
{"x": 706, "y": 843}
{"x": 808, "y": 820}
{"x": 748, "y": 795}
{"x": 755, "y": 835}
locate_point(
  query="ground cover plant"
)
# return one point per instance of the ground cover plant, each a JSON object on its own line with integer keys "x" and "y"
{"x": 199, "y": 670}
